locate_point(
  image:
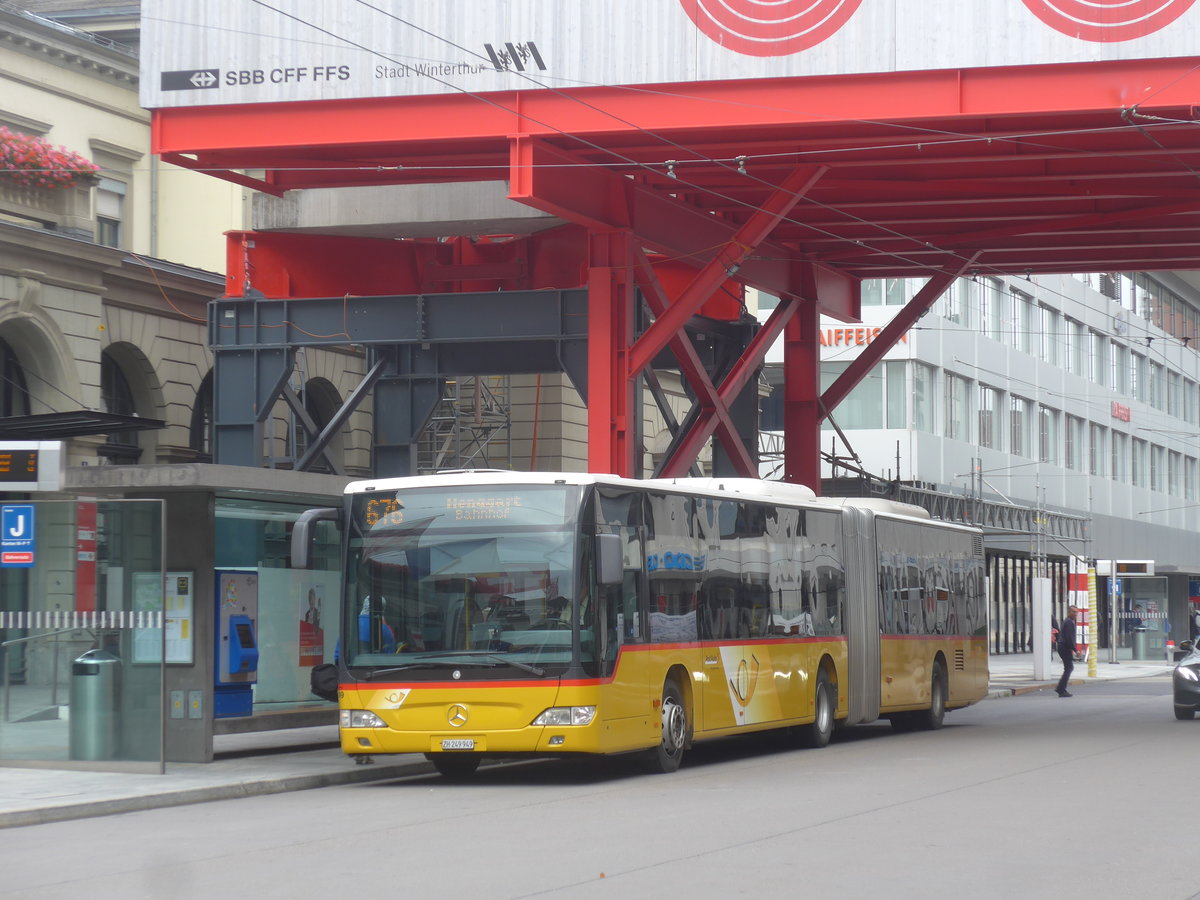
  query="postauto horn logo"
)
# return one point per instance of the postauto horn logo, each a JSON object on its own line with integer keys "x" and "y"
{"x": 1108, "y": 20}
{"x": 769, "y": 27}
{"x": 783, "y": 27}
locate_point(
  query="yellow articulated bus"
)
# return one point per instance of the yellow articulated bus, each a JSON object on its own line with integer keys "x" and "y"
{"x": 501, "y": 613}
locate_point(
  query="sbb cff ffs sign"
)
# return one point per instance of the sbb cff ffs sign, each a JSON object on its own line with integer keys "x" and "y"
{"x": 313, "y": 50}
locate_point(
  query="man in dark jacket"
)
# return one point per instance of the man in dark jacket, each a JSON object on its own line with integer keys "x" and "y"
{"x": 1066, "y": 649}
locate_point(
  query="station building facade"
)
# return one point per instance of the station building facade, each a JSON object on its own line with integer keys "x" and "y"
{"x": 1076, "y": 396}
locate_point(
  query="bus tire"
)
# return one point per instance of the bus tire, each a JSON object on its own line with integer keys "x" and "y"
{"x": 818, "y": 733}
{"x": 455, "y": 766}
{"x": 931, "y": 719}
{"x": 667, "y": 756}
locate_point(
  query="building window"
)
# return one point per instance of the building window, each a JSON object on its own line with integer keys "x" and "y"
{"x": 110, "y": 212}
{"x": 884, "y": 292}
{"x": 923, "y": 377}
{"x": 1157, "y": 467}
{"x": 1022, "y": 310}
{"x": 1048, "y": 336}
{"x": 1098, "y": 363}
{"x": 1174, "y": 473}
{"x": 954, "y": 302}
{"x": 1189, "y": 478}
{"x": 988, "y": 402}
{"x": 1018, "y": 426}
{"x": 1120, "y": 451}
{"x": 992, "y": 299}
{"x": 1120, "y": 368}
{"x": 1074, "y": 443}
{"x": 1157, "y": 396}
{"x": 956, "y": 408}
{"x": 895, "y": 376}
{"x": 200, "y": 436}
{"x": 14, "y": 392}
{"x": 862, "y": 407}
{"x": 1174, "y": 407}
{"x": 117, "y": 397}
{"x": 999, "y": 325}
{"x": 1047, "y": 435}
{"x": 1138, "y": 471}
{"x": 1096, "y": 449}
{"x": 1138, "y": 378}
{"x": 1075, "y": 347}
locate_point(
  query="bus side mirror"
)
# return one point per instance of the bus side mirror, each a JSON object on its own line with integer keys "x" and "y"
{"x": 610, "y": 563}
{"x": 302, "y": 534}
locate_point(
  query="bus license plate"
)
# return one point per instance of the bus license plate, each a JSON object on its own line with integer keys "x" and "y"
{"x": 458, "y": 744}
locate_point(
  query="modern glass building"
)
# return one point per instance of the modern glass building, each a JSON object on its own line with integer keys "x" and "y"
{"x": 1071, "y": 397}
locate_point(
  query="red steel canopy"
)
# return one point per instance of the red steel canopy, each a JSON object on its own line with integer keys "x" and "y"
{"x": 798, "y": 186}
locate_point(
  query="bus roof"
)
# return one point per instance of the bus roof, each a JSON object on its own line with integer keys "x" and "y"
{"x": 749, "y": 488}
{"x": 754, "y": 487}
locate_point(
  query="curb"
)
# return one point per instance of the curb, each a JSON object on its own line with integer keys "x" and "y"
{"x": 89, "y": 809}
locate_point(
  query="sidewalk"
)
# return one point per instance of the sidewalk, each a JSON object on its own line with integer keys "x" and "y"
{"x": 302, "y": 758}
{"x": 1013, "y": 673}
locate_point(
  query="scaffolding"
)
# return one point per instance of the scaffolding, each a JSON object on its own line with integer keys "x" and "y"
{"x": 471, "y": 427}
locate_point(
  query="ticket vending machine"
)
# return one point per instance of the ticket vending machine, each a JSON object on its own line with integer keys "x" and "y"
{"x": 236, "y": 645}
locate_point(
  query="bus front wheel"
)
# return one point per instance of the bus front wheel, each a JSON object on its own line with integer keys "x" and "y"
{"x": 667, "y": 756}
{"x": 818, "y": 733}
{"x": 454, "y": 765}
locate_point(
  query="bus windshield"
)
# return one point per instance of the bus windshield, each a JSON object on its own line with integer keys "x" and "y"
{"x": 481, "y": 579}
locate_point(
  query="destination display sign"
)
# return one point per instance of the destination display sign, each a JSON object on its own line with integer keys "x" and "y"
{"x": 418, "y": 509}
{"x": 207, "y": 52}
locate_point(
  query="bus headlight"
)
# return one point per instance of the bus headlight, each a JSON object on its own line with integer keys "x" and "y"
{"x": 566, "y": 715}
{"x": 359, "y": 718}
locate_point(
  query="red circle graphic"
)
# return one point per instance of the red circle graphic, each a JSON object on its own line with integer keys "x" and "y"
{"x": 769, "y": 27}
{"x": 1108, "y": 21}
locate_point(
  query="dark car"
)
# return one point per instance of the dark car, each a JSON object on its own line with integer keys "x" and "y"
{"x": 1187, "y": 682}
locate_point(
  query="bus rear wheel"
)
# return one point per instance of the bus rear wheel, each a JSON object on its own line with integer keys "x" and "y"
{"x": 667, "y": 756}
{"x": 931, "y": 719}
{"x": 454, "y": 765}
{"x": 818, "y": 733}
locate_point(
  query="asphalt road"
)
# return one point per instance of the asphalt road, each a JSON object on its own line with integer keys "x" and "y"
{"x": 1026, "y": 796}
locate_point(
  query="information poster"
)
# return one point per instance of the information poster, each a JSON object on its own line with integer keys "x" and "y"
{"x": 312, "y": 631}
{"x": 177, "y": 605}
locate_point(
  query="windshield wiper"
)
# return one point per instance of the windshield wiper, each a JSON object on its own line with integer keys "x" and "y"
{"x": 378, "y": 673}
{"x": 497, "y": 660}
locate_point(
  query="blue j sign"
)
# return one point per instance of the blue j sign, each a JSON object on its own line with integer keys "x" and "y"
{"x": 16, "y": 536}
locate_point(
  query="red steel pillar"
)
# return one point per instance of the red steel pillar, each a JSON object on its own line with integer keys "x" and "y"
{"x": 801, "y": 397}
{"x": 610, "y": 401}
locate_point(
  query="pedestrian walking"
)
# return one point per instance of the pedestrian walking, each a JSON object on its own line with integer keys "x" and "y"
{"x": 1066, "y": 649}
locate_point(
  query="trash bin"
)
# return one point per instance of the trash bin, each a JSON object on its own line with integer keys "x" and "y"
{"x": 1139, "y": 643}
{"x": 93, "y": 705}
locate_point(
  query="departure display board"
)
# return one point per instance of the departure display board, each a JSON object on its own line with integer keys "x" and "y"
{"x": 31, "y": 466}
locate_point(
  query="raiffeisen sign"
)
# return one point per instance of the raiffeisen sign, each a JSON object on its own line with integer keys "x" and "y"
{"x": 210, "y": 52}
